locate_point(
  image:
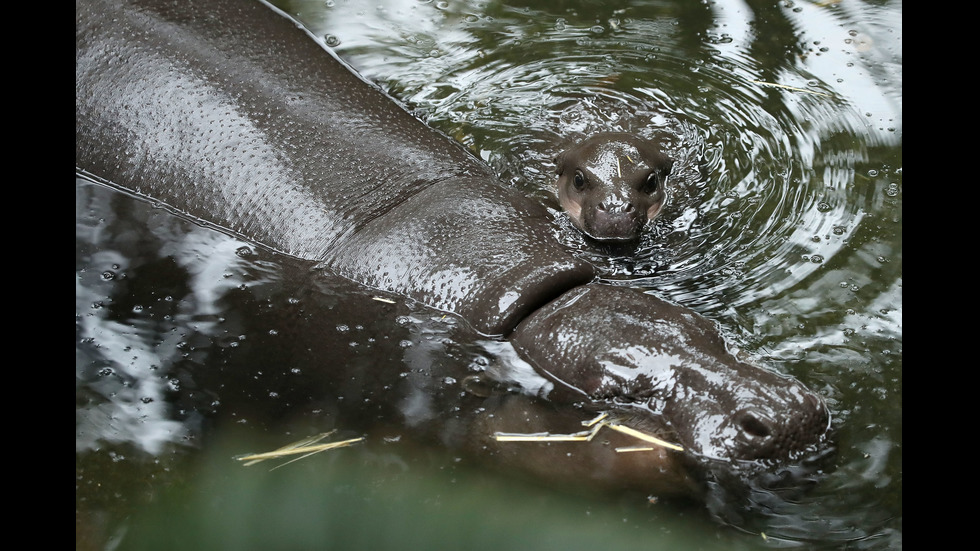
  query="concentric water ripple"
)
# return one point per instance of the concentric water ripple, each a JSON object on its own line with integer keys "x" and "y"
{"x": 764, "y": 189}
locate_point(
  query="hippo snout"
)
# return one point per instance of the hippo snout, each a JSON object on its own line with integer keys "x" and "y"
{"x": 740, "y": 412}
{"x": 762, "y": 435}
{"x": 615, "y": 220}
{"x": 658, "y": 360}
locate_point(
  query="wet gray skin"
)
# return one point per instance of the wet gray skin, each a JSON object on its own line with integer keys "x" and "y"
{"x": 231, "y": 114}
{"x": 612, "y": 184}
{"x": 651, "y": 359}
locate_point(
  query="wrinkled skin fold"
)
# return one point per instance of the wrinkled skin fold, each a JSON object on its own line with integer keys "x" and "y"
{"x": 231, "y": 114}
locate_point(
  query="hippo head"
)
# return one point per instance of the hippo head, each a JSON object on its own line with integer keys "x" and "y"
{"x": 612, "y": 184}
{"x": 654, "y": 364}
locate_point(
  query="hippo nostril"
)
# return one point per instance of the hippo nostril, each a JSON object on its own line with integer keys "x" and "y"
{"x": 754, "y": 426}
{"x": 629, "y": 208}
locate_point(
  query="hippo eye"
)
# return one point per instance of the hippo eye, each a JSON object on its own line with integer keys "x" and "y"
{"x": 579, "y": 180}
{"x": 651, "y": 184}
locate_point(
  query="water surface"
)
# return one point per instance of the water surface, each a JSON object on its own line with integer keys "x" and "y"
{"x": 783, "y": 224}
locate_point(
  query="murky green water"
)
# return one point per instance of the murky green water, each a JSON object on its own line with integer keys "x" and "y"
{"x": 783, "y": 224}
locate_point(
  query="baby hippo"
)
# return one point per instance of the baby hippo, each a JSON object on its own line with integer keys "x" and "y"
{"x": 611, "y": 184}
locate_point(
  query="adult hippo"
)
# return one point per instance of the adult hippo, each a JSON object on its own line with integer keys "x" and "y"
{"x": 233, "y": 115}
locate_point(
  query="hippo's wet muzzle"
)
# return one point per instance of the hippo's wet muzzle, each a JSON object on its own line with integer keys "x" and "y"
{"x": 663, "y": 361}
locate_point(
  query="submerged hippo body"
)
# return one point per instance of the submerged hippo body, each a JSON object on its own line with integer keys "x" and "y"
{"x": 231, "y": 114}
{"x": 612, "y": 184}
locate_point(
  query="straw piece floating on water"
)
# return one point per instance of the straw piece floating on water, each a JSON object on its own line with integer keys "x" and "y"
{"x": 584, "y": 436}
{"x": 596, "y": 420}
{"x": 587, "y": 436}
{"x": 543, "y": 437}
{"x": 307, "y": 446}
{"x": 644, "y": 436}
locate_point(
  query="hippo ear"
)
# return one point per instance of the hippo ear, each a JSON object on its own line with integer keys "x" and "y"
{"x": 667, "y": 167}
{"x": 560, "y": 163}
